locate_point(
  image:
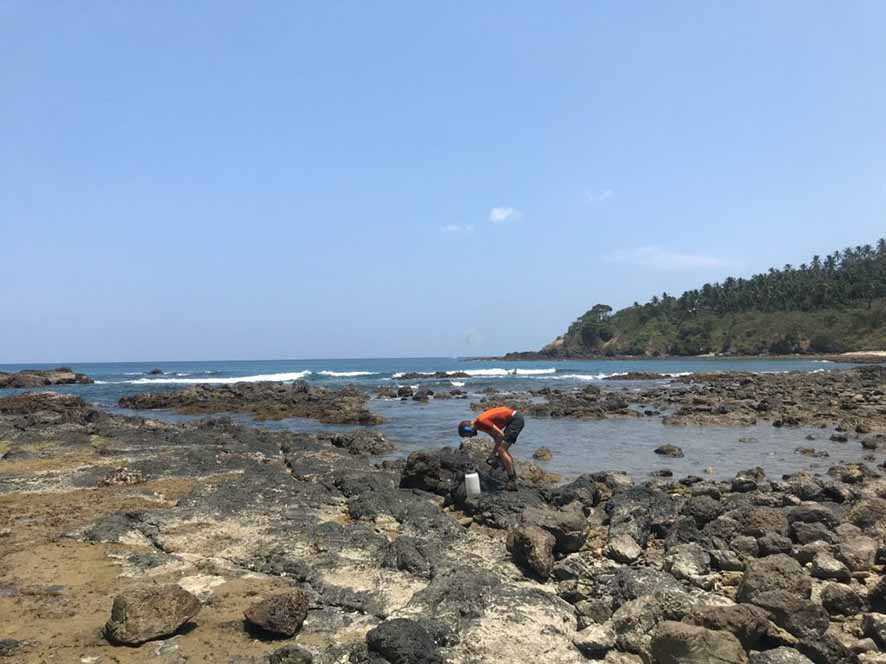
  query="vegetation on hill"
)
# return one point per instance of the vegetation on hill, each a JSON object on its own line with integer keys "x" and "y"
{"x": 829, "y": 305}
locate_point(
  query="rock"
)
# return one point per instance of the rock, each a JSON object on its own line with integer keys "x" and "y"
{"x": 422, "y": 394}
{"x": 290, "y": 655}
{"x": 748, "y": 480}
{"x": 155, "y": 372}
{"x": 702, "y": 509}
{"x": 404, "y": 392}
{"x": 877, "y": 596}
{"x": 813, "y": 513}
{"x": 750, "y": 624}
{"x": 839, "y": 599}
{"x": 858, "y": 552}
{"x": 803, "y": 533}
{"x": 781, "y": 655}
{"x": 800, "y": 616}
{"x": 726, "y": 560}
{"x": 532, "y": 549}
{"x": 264, "y": 401}
{"x": 403, "y": 641}
{"x": 569, "y": 527}
{"x": 874, "y": 626}
{"x": 41, "y": 377}
{"x": 778, "y": 572}
{"x": 868, "y": 513}
{"x": 623, "y": 549}
{"x": 542, "y": 454}
{"x": 825, "y": 566}
{"x": 839, "y": 438}
{"x": 594, "y": 641}
{"x": 687, "y": 561}
{"x": 9, "y": 647}
{"x": 869, "y": 444}
{"x": 280, "y": 615}
{"x": 772, "y": 543}
{"x": 680, "y": 643}
{"x": 121, "y": 476}
{"x": 669, "y": 451}
{"x": 149, "y": 613}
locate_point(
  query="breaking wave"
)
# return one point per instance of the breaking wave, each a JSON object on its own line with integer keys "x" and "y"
{"x": 347, "y": 374}
{"x": 275, "y": 377}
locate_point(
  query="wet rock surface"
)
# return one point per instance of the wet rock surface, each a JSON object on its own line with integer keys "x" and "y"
{"x": 395, "y": 563}
{"x": 264, "y": 401}
{"x": 29, "y": 378}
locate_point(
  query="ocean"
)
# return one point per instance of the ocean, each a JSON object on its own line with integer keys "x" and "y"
{"x": 577, "y": 446}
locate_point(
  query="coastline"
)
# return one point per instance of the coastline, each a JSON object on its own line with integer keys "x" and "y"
{"x": 855, "y": 357}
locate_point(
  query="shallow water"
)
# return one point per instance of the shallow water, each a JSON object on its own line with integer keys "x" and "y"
{"x": 577, "y": 446}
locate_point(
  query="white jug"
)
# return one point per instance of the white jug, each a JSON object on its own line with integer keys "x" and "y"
{"x": 472, "y": 484}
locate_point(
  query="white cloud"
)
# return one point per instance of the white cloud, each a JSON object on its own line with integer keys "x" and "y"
{"x": 502, "y": 215}
{"x": 456, "y": 228}
{"x": 659, "y": 258}
{"x": 599, "y": 196}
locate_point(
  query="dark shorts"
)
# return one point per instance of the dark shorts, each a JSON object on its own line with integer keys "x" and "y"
{"x": 515, "y": 426}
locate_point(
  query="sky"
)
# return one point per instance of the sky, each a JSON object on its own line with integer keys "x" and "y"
{"x": 229, "y": 180}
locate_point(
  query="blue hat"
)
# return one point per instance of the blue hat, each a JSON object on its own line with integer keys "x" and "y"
{"x": 466, "y": 429}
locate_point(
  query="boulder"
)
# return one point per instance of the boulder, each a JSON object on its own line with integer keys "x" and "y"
{"x": 750, "y": 624}
{"x": 594, "y": 641}
{"x": 532, "y": 549}
{"x": 858, "y": 552}
{"x": 800, "y": 616}
{"x": 148, "y": 613}
{"x": 568, "y": 526}
{"x": 702, "y": 509}
{"x": 280, "y": 615}
{"x": 687, "y": 561}
{"x": 669, "y": 451}
{"x": 290, "y": 655}
{"x": 874, "y": 626}
{"x": 623, "y": 549}
{"x": 839, "y": 599}
{"x": 825, "y": 566}
{"x": 403, "y": 641}
{"x": 877, "y": 596}
{"x": 681, "y": 643}
{"x": 781, "y": 655}
{"x": 779, "y": 572}
{"x": 542, "y": 454}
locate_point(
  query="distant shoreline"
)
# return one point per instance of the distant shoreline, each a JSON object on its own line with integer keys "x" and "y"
{"x": 856, "y": 357}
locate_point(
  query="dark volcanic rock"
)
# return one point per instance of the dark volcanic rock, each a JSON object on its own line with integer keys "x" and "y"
{"x": 782, "y": 655}
{"x": 680, "y": 643}
{"x": 569, "y": 527}
{"x": 280, "y": 615}
{"x": 841, "y": 600}
{"x": 42, "y": 378}
{"x": 777, "y": 572}
{"x": 150, "y": 613}
{"x": 402, "y": 641}
{"x": 750, "y": 624}
{"x": 669, "y": 451}
{"x": 265, "y": 401}
{"x": 800, "y": 616}
{"x": 532, "y": 549}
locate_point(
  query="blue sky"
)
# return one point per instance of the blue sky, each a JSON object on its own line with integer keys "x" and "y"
{"x": 211, "y": 180}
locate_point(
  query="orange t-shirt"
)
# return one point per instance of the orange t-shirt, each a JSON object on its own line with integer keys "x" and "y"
{"x": 499, "y": 417}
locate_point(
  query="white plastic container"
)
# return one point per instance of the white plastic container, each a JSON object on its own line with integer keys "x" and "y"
{"x": 472, "y": 484}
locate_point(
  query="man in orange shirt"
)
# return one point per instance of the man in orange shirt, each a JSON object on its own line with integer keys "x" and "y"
{"x": 504, "y": 425}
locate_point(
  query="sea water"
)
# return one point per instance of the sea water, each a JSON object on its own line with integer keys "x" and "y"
{"x": 577, "y": 446}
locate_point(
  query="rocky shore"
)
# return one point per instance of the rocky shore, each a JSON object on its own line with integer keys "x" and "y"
{"x": 852, "y": 400}
{"x": 264, "y": 401}
{"x": 42, "y": 377}
{"x": 133, "y": 540}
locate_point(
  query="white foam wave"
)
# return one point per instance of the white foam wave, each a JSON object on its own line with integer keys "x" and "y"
{"x": 456, "y": 383}
{"x": 275, "y": 377}
{"x": 347, "y": 374}
{"x": 497, "y": 372}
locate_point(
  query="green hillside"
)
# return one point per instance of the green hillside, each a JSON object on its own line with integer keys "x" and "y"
{"x": 829, "y": 305}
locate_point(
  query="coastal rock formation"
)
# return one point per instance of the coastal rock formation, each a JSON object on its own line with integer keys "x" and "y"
{"x": 393, "y": 562}
{"x": 150, "y": 613}
{"x": 42, "y": 378}
{"x": 264, "y": 401}
{"x": 280, "y": 615}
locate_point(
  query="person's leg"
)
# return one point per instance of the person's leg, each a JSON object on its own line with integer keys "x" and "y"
{"x": 511, "y": 432}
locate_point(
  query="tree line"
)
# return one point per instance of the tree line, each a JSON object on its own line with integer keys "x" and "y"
{"x": 856, "y": 275}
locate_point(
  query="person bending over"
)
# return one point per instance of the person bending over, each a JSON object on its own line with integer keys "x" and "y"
{"x": 504, "y": 425}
